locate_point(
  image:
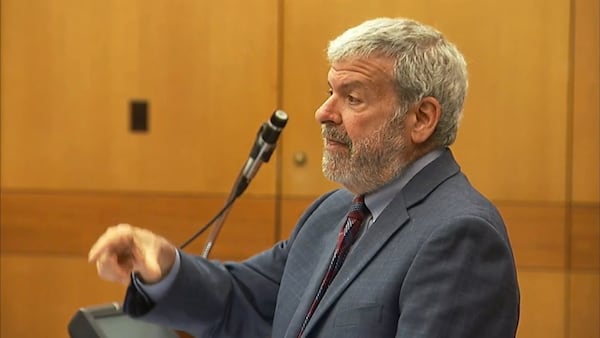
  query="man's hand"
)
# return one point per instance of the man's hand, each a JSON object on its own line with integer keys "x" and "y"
{"x": 124, "y": 249}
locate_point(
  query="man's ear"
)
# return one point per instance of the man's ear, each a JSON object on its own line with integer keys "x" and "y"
{"x": 426, "y": 116}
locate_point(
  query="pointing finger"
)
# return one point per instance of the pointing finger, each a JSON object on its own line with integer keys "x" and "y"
{"x": 114, "y": 239}
{"x": 112, "y": 269}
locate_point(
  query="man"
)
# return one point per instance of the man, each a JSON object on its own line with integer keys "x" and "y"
{"x": 428, "y": 256}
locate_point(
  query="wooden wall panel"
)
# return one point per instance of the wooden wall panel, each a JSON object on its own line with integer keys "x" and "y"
{"x": 46, "y": 236}
{"x": 537, "y": 234}
{"x": 585, "y": 178}
{"x": 542, "y": 304}
{"x": 584, "y": 283}
{"x": 585, "y": 237}
{"x": 70, "y": 68}
{"x": 584, "y": 305}
{"x": 291, "y": 210}
{"x": 69, "y": 223}
{"x": 513, "y": 140}
{"x": 40, "y": 294}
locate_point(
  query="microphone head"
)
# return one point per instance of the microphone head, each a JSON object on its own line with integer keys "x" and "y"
{"x": 271, "y": 130}
{"x": 279, "y": 119}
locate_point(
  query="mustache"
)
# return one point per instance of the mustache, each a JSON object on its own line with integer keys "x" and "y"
{"x": 338, "y": 135}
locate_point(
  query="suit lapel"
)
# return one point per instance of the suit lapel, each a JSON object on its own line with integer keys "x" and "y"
{"x": 332, "y": 224}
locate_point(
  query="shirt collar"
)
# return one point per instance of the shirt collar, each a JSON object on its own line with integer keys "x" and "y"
{"x": 378, "y": 200}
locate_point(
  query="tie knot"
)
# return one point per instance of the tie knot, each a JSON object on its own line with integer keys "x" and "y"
{"x": 359, "y": 206}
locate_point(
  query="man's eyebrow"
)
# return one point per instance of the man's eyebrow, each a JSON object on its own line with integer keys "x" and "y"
{"x": 349, "y": 85}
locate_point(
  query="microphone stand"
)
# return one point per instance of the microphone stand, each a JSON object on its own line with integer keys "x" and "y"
{"x": 236, "y": 191}
{"x": 262, "y": 150}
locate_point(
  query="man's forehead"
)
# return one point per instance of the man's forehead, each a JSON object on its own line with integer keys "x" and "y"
{"x": 357, "y": 71}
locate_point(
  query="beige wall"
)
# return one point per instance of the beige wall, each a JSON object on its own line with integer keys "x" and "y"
{"x": 212, "y": 72}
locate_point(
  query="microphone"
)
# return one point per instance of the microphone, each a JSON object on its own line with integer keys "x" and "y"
{"x": 266, "y": 140}
{"x": 261, "y": 152}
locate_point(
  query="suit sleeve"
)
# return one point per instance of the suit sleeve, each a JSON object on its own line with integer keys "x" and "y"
{"x": 461, "y": 284}
{"x": 209, "y": 299}
{"x": 212, "y": 299}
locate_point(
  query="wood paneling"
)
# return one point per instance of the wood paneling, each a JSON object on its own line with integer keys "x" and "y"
{"x": 584, "y": 283}
{"x": 513, "y": 133}
{"x": 45, "y": 238}
{"x": 40, "y": 294}
{"x": 584, "y": 305}
{"x": 69, "y": 223}
{"x": 585, "y": 179}
{"x": 537, "y": 233}
{"x": 542, "y": 304}
{"x": 585, "y": 237}
{"x": 512, "y": 142}
{"x": 70, "y": 68}
{"x": 291, "y": 210}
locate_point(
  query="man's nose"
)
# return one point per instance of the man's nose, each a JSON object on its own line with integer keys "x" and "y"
{"x": 328, "y": 112}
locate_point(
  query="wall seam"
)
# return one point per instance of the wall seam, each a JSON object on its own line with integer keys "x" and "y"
{"x": 278, "y": 205}
{"x": 569, "y": 165}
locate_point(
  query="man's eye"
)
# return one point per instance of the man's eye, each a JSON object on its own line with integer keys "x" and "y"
{"x": 353, "y": 100}
{"x": 329, "y": 92}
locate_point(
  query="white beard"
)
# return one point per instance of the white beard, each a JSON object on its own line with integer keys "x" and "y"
{"x": 368, "y": 163}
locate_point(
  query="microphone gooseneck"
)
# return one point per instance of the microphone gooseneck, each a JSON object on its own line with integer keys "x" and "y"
{"x": 264, "y": 145}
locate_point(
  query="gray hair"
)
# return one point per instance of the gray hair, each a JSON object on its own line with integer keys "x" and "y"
{"x": 426, "y": 64}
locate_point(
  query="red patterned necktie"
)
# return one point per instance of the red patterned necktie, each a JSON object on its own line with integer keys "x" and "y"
{"x": 347, "y": 235}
